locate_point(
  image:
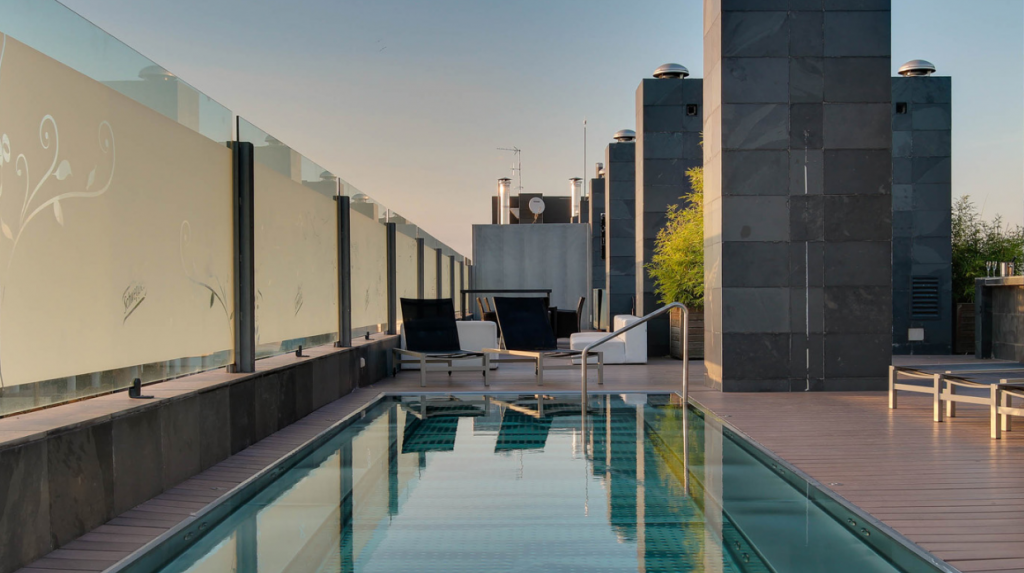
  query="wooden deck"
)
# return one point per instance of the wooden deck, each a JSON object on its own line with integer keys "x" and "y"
{"x": 946, "y": 486}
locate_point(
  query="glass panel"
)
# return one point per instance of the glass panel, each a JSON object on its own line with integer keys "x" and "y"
{"x": 406, "y": 269}
{"x": 116, "y": 243}
{"x": 369, "y": 266}
{"x": 53, "y": 30}
{"x": 296, "y": 247}
{"x": 446, "y": 276}
{"x": 429, "y": 272}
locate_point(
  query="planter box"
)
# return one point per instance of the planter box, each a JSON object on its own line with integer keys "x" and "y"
{"x": 696, "y": 334}
{"x": 964, "y": 341}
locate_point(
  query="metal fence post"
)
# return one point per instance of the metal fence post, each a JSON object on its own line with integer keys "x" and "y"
{"x": 438, "y": 273}
{"x": 392, "y": 231}
{"x": 245, "y": 280}
{"x": 344, "y": 272}
{"x": 419, "y": 268}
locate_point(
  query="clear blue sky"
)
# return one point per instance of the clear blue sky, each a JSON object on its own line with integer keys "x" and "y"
{"x": 408, "y": 99}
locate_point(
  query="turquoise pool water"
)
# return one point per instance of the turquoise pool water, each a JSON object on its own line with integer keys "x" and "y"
{"x": 519, "y": 483}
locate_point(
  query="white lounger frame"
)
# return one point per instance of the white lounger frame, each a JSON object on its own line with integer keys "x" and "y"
{"x": 540, "y": 357}
{"x": 423, "y": 359}
{"x": 944, "y": 388}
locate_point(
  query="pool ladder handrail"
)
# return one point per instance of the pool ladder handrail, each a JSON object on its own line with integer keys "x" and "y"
{"x": 643, "y": 320}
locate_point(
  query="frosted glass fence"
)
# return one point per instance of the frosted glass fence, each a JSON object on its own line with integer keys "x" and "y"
{"x": 407, "y": 267}
{"x": 429, "y": 272}
{"x": 117, "y": 232}
{"x": 296, "y": 246}
{"x": 115, "y": 214}
{"x": 369, "y": 266}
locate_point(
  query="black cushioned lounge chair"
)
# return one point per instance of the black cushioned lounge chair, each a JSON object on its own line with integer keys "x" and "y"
{"x": 527, "y": 337}
{"x": 432, "y": 340}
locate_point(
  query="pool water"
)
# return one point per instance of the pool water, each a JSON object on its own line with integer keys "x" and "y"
{"x": 521, "y": 483}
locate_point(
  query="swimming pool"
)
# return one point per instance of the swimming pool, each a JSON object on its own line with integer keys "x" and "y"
{"x": 518, "y": 482}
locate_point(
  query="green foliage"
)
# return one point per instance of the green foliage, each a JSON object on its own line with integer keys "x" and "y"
{"x": 976, "y": 241}
{"x": 677, "y": 266}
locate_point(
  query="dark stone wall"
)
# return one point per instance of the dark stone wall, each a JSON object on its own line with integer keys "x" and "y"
{"x": 597, "y": 274}
{"x": 667, "y": 144}
{"x": 798, "y": 206}
{"x": 58, "y": 487}
{"x": 999, "y": 318}
{"x": 620, "y": 226}
{"x": 921, "y": 212}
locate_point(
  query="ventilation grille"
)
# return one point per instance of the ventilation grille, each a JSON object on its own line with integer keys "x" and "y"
{"x": 924, "y": 298}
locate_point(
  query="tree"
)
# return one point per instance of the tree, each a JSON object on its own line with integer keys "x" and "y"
{"x": 677, "y": 265}
{"x": 976, "y": 241}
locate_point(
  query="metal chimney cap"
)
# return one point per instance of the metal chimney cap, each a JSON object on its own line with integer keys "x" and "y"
{"x": 155, "y": 72}
{"x": 671, "y": 71}
{"x": 624, "y": 135}
{"x": 504, "y": 179}
{"x": 575, "y": 179}
{"x": 917, "y": 68}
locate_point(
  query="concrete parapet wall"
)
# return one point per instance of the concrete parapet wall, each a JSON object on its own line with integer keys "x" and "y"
{"x": 69, "y": 469}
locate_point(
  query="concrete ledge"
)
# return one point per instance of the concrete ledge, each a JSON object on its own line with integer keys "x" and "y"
{"x": 68, "y": 469}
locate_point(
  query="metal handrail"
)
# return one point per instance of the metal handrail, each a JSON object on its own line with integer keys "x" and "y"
{"x": 643, "y": 320}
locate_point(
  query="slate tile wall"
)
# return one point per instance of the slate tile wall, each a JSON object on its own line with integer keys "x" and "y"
{"x": 620, "y": 226}
{"x": 921, "y": 205}
{"x": 667, "y": 145}
{"x": 798, "y": 194}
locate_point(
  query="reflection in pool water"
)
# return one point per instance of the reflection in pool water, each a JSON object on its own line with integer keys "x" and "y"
{"x": 519, "y": 483}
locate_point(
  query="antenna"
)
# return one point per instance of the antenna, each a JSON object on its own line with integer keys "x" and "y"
{"x": 518, "y": 166}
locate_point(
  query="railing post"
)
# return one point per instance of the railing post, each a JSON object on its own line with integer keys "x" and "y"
{"x": 419, "y": 268}
{"x": 451, "y": 277}
{"x": 438, "y": 273}
{"x": 392, "y": 231}
{"x": 344, "y": 272}
{"x": 686, "y": 358}
{"x": 245, "y": 262}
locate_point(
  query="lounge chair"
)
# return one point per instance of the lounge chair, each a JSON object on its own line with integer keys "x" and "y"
{"x": 568, "y": 322}
{"x": 430, "y": 335}
{"x": 527, "y": 336}
{"x": 945, "y": 380}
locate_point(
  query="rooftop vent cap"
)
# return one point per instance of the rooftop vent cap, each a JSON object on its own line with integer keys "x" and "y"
{"x": 155, "y": 72}
{"x": 671, "y": 71}
{"x": 624, "y": 135}
{"x": 917, "y": 68}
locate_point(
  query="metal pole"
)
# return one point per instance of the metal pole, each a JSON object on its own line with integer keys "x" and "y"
{"x": 583, "y": 369}
{"x": 344, "y": 273}
{"x": 686, "y": 359}
{"x": 420, "y": 265}
{"x": 392, "y": 231}
{"x": 245, "y": 262}
{"x": 437, "y": 261}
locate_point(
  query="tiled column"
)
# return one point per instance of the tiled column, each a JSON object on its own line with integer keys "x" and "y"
{"x": 620, "y": 227}
{"x": 798, "y": 174}
{"x": 597, "y": 276}
{"x": 668, "y": 125}
{"x": 921, "y": 203}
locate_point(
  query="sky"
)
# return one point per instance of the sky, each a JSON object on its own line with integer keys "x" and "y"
{"x": 409, "y": 100}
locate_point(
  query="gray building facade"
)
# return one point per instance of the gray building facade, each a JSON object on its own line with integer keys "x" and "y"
{"x": 669, "y": 119}
{"x": 922, "y": 272}
{"x": 620, "y": 223}
{"x": 597, "y": 254}
{"x": 798, "y": 205}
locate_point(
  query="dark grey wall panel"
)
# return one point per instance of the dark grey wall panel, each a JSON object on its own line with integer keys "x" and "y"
{"x": 798, "y": 194}
{"x": 921, "y": 205}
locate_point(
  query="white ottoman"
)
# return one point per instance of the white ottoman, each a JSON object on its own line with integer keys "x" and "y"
{"x": 614, "y": 350}
{"x": 626, "y": 348}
